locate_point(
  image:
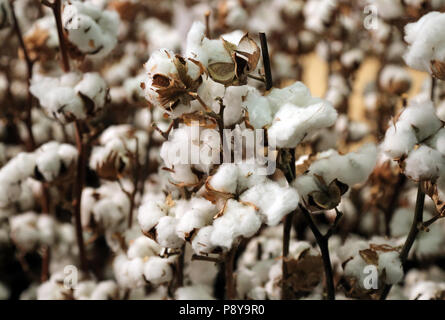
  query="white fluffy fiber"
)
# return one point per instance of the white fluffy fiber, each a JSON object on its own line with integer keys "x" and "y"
{"x": 418, "y": 134}
{"x": 92, "y": 30}
{"x": 424, "y": 39}
{"x": 238, "y": 220}
{"x": 352, "y": 168}
{"x": 273, "y": 200}
{"x": 61, "y": 97}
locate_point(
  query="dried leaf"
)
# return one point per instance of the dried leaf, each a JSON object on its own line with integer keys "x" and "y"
{"x": 370, "y": 256}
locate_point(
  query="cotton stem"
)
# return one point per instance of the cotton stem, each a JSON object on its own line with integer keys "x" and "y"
{"x": 415, "y": 228}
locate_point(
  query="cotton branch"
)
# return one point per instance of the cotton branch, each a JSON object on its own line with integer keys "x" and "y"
{"x": 266, "y": 61}
{"x": 323, "y": 241}
{"x": 29, "y": 65}
{"x": 56, "y": 7}
{"x": 78, "y": 187}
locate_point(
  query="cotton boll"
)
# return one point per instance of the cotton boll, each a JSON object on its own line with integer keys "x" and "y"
{"x": 150, "y": 213}
{"x": 441, "y": 111}
{"x": 237, "y": 220}
{"x": 24, "y": 231}
{"x": 424, "y": 42}
{"x": 94, "y": 87}
{"x": 297, "y": 94}
{"x": 93, "y": 31}
{"x": 70, "y": 96}
{"x": 399, "y": 140}
{"x": 166, "y": 233}
{"x": 158, "y": 270}
{"x": 48, "y": 162}
{"x": 291, "y": 123}
{"x": 142, "y": 247}
{"x": 250, "y": 175}
{"x": 389, "y": 262}
{"x": 424, "y": 163}
{"x": 258, "y": 107}
{"x": 201, "y": 242}
{"x": 422, "y": 117}
{"x": 273, "y": 201}
{"x": 129, "y": 273}
{"x": 225, "y": 179}
{"x": 105, "y": 290}
{"x": 354, "y": 268}
{"x": 193, "y": 293}
{"x": 199, "y": 215}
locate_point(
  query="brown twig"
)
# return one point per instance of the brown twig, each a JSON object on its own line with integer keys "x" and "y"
{"x": 56, "y": 7}
{"x": 323, "y": 242}
{"x": 29, "y": 65}
{"x": 415, "y": 228}
{"x": 266, "y": 60}
{"x": 78, "y": 187}
{"x": 230, "y": 279}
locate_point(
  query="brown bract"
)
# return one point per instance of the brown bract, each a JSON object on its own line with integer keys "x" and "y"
{"x": 438, "y": 69}
{"x": 176, "y": 88}
{"x": 328, "y": 197}
{"x": 245, "y": 57}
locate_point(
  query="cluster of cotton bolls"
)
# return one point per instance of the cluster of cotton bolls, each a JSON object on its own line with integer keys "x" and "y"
{"x": 142, "y": 263}
{"x": 48, "y": 163}
{"x": 71, "y": 96}
{"x": 416, "y": 139}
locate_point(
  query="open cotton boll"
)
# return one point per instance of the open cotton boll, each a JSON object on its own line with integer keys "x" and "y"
{"x": 250, "y": 175}
{"x": 273, "y": 200}
{"x": 421, "y": 115}
{"x": 292, "y": 124}
{"x": 160, "y": 35}
{"x": 24, "y": 231}
{"x": 142, "y": 247}
{"x": 297, "y": 94}
{"x": 424, "y": 163}
{"x": 319, "y": 14}
{"x": 166, "y": 233}
{"x": 199, "y": 292}
{"x": 105, "y": 290}
{"x": 354, "y": 268}
{"x": 400, "y": 139}
{"x": 425, "y": 45}
{"x": 129, "y": 272}
{"x": 389, "y": 262}
{"x": 258, "y": 107}
{"x": 158, "y": 270}
{"x": 94, "y": 87}
{"x": 238, "y": 220}
{"x": 352, "y": 168}
{"x": 92, "y": 30}
{"x": 225, "y": 179}
{"x": 71, "y": 96}
{"x": 201, "y": 242}
{"x": 150, "y": 213}
{"x": 199, "y": 215}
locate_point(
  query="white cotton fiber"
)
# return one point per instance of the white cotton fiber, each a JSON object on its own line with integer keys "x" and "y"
{"x": 273, "y": 200}
{"x": 238, "y": 220}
